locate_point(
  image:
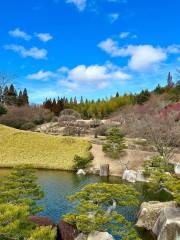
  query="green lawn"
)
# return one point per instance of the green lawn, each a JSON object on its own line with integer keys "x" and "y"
{"x": 40, "y": 150}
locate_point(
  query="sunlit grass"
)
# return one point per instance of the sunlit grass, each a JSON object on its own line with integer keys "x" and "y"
{"x": 40, "y": 150}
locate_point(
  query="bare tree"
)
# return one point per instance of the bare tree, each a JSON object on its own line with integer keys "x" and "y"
{"x": 162, "y": 133}
{"x": 5, "y": 79}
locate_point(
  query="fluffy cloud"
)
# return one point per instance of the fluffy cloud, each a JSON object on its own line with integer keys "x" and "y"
{"x": 44, "y": 37}
{"x": 33, "y": 52}
{"x": 80, "y": 4}
{"x": 141, "y": 57}
{"x": 99, "y": 76}
{"x": 113, "y": 17}
{"x": 17, "y": 33}
{"x": 41, "y": 75}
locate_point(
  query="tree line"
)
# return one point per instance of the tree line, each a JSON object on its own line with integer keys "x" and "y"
{"x": 10, "y": 96}
{"x": 101, "y": 108}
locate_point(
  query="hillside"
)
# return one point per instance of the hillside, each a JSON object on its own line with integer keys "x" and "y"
{"x": 40, "y": 150}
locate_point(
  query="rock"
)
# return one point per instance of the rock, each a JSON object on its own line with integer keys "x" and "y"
{"x": 140, "y": 177}
{"x": 67, "y": 231}
{"x": 149, "y": 213}
{"x": 167, "y": 226}
{"x": 177, "y": 169}
{"x": 133, "y": 176}
{"x": 100, "y": 236}
{"x": 41, "y": 221}
{"x": 81, "y": 236}
{"x": 104, "y": 170}
{"x": 81, "y": 172}
{"x": 130, "y": 176}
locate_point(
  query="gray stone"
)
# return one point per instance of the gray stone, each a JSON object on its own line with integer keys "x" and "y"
{"x": 177, "y": 169}
{"x": 104, "y": 170}
{"x": 130, "y": 176}
{"x": 149, "y": 213}
{"x": 100, "y": 236}
{"x": 133, "y": 176}
{"x": 167, "y": 226}
{"x": 81, "y": 172}
{"x": 81, "y": 236}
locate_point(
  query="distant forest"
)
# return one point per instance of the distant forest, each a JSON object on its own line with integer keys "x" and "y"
{"x": 100, "y": 108}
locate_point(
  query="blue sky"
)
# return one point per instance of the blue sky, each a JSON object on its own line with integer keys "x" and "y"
{"x": 91, "y": 48}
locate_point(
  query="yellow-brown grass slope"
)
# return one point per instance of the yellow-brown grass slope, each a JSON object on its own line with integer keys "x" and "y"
{"x": 39, "y": 150}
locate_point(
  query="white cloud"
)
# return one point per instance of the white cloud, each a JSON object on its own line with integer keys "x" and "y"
{"x": 80, "y": 4}
{"x": 41, "y": 75}
{"x": 45, "y": 37}
{"x": 17, "y": 33}
{"x": 113, "y": 17}
{"x": 33, "y": 52}
{"x": 63, "y": 69}
{"x": 99, "y": 76}
{"x": 124, "y": 35}
{"x": 142, "y": 57}
{"x": 173, "y": 49}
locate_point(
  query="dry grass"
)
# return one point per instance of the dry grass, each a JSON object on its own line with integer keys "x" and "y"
{"x": 40, "y": 150}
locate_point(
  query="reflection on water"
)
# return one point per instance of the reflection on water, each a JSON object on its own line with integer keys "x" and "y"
{"x": 57, "y": 185}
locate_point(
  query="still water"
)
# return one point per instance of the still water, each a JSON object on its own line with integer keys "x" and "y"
{"x": 57, "y": 185}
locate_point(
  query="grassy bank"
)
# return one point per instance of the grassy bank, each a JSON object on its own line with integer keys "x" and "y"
{"x": 39, "y": 150}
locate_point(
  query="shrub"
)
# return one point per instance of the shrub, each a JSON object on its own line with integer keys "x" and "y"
{"x": 157, "y": 163}
{"x": 18, "y": 116}
{"x": 95, "y": 123}
{"x": 45, "y": 233}
{"x": 3, "y": 110}
{"x": 28, "y": 126}
{"x": 82, "y": 162}
{"x": 115, "y": 143}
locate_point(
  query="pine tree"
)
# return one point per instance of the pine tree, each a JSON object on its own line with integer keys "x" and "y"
{"x": 96, "y": 209}
{"x": 20, "y": 101}
{"x": 25, "y": 97}
{"x": 55, "y": 108}
{"x": 115, "y": 143}
{"x": 48, "y": 104}
{"x": 170, "y": 83}
{"x": 20, "y": 188}
{"x": 11, "y": 96}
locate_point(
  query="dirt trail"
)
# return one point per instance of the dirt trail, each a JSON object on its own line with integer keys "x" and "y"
{"x": 134, "y": 157}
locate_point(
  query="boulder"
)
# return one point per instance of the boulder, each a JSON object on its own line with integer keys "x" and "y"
{"x": 104, "y": 170}
{"x": 133, "y": 176}
{"x": 81, "y": 172}
{"x": 149, "y": 213}
{"x": 177, "y": 169}
{"x": 167, "y": 226}
{"x": 67, "y": 231}
{"x": 100, "y": 236}
{"x": 130, "y": 176}
{"x": 81, "y": 236}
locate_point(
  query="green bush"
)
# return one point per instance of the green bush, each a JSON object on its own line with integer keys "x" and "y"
{"x": 82, "y": 162}
{"x": 115, "y": 143}
{"x": 3, "y": 110}
{"x": 157, "y": 163}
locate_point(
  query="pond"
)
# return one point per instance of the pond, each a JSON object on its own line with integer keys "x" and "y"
{"x": 57, "y": 185}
